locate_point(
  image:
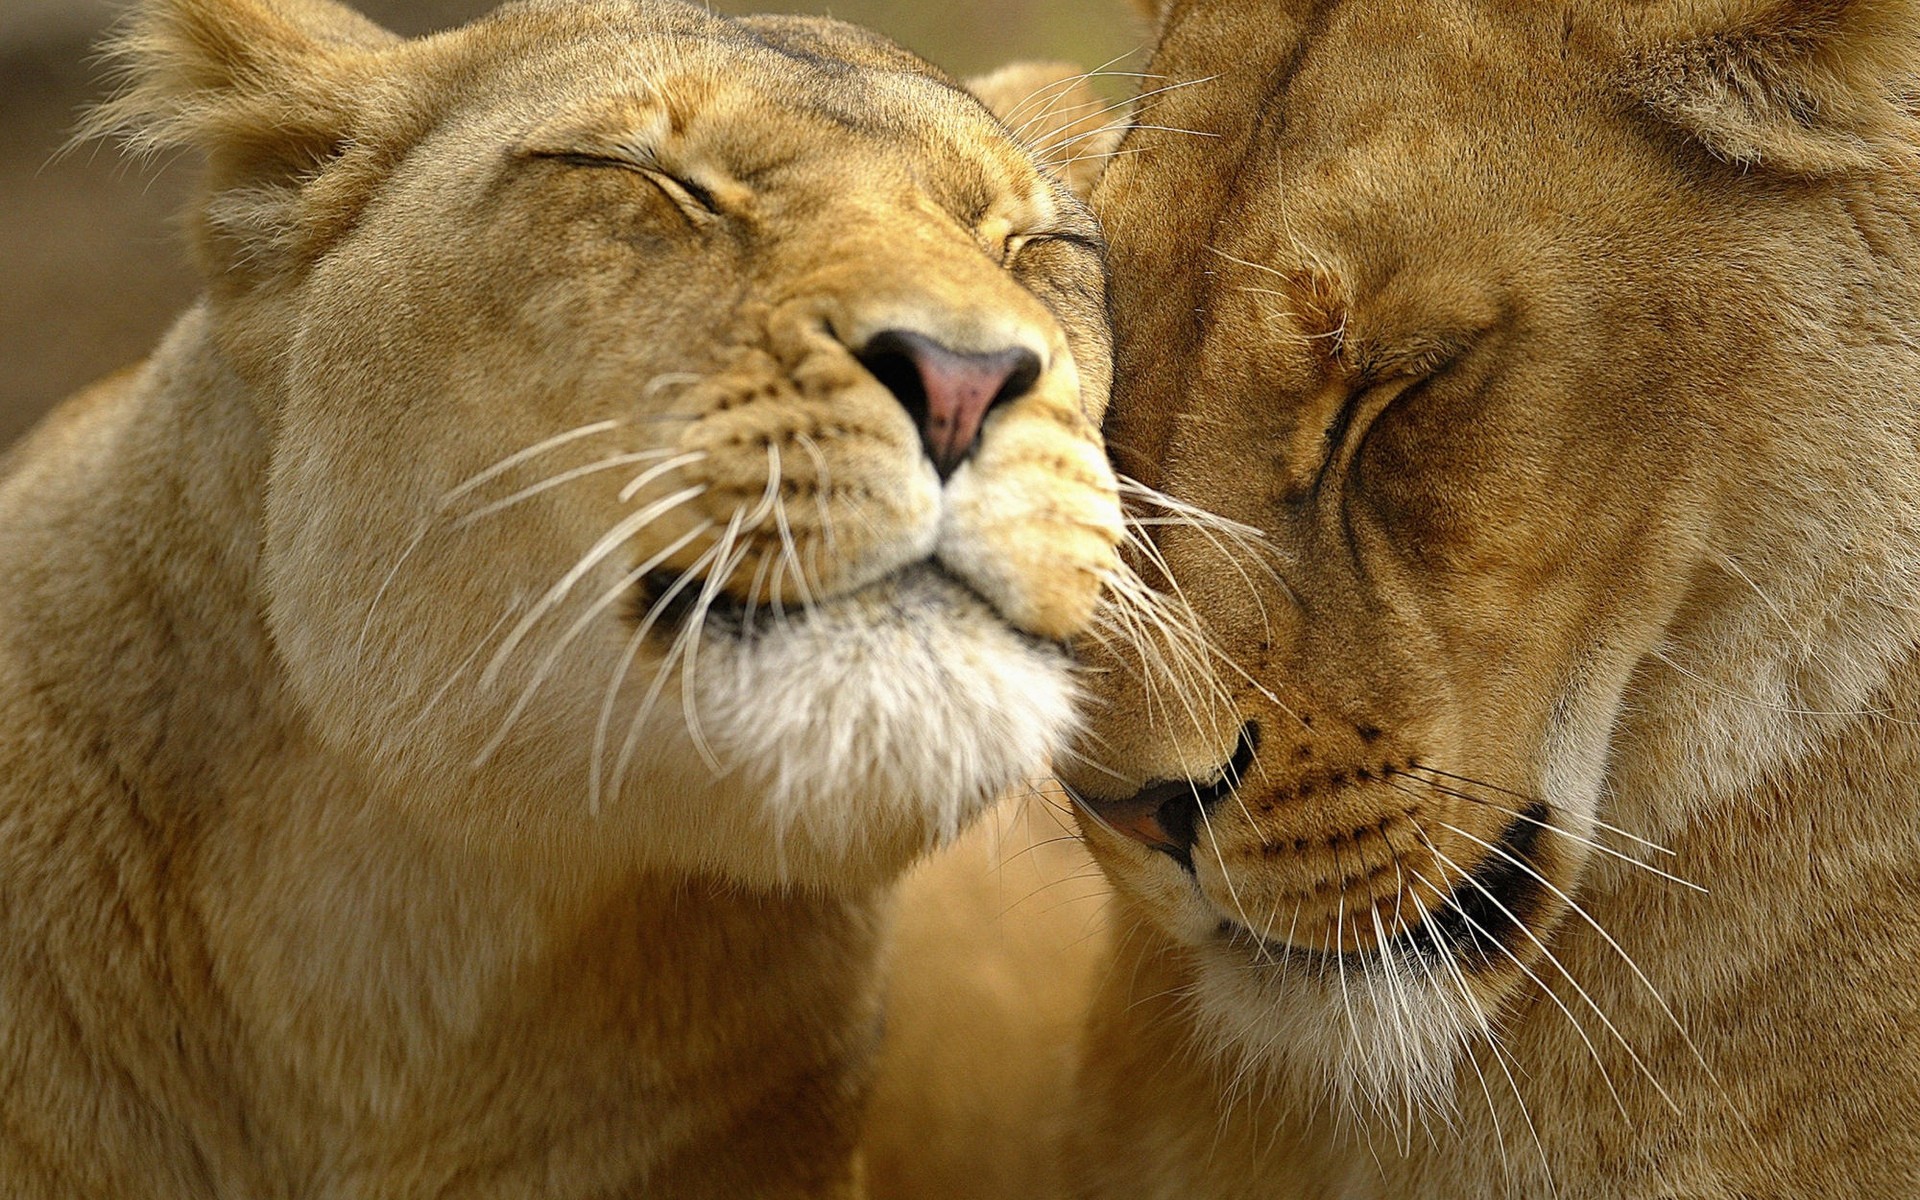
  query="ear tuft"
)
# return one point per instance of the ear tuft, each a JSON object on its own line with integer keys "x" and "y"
{"x": 269, "y": 91}
{"x": 1807, "y": 87}
{"x": 1051, "y": 108}
{"x": 209, "y": 73}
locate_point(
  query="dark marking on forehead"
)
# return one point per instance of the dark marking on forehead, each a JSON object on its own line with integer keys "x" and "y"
{"x": 1241, "y": 171}
{"x": 1263, "y": 145}
{"x": 839, "y": 66}
{"x": 1282, "y": 84}
{"x": 842, "y": 102}
{"x": 1272, "y": 117}
{"x": 791, "y": 49}
{"x": 1313, "y": 28}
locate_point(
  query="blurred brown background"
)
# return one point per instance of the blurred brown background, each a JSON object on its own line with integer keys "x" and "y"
{"x": 90, "y": 271}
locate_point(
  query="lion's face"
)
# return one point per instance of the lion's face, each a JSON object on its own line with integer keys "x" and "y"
{"x": 1562, "y": 477}
{"x": 686, "y": 429}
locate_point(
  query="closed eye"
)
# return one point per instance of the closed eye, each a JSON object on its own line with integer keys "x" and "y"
{"x": 1021, "y": 242}
{"x": 697, "y": 201}
{"x": 1363, "y": 406}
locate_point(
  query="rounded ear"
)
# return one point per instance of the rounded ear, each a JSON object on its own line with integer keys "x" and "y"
{"x": 1050, "y": 107}
{"x": 270, "y": 92}
{"x": 1807, "y": 87}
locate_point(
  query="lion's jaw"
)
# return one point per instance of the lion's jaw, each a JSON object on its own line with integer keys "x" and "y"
{"x": 1518, "y": 575}
{"x": 596, "y": 524}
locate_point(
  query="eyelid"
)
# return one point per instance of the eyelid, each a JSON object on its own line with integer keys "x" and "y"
{"x": 1070, "y": 237}
{"x": 690, "y": 193}
{"x": 698, "y": 195}
{"x": 1361, "y": 409}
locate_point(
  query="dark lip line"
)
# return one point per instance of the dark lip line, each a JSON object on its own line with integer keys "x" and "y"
{"x": 728, "y": 614}
{"x": 1471, "y": 924}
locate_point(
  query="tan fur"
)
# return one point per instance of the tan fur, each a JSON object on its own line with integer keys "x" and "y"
{"x": 1554, "y": 368}
{"x": 343, "y": 848}
{"x": 997, "y": 946}
{"x": 1073, "y": 129}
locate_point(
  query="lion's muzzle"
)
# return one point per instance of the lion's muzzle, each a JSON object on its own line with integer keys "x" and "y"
{"x": 1340, "y": 860}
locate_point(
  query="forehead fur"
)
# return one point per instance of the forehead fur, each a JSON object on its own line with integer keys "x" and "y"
{"x": 823, "y": 67}
{"x": 1400, "y": 152}
{"x": 1807, "y": 87}
{"x": 301, "y": 78}
{"x": 303, "y": 110}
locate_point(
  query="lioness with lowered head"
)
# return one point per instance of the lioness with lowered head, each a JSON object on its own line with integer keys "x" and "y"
{"x": 1546, "y": 822}
{"x": 462, "y": 701}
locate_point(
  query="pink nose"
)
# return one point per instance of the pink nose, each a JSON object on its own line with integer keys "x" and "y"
{"x": 948, "y": 393}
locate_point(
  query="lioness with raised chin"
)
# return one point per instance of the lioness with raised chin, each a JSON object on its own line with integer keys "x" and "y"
{"x": 463, "y": 699}
{"x": 1545, "y": 819}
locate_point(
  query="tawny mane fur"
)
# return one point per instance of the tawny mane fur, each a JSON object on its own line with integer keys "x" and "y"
{"x": 1541, "y": 820}
{"x": 464, "y": 700}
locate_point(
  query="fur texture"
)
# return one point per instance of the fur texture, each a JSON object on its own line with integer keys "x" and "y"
{"x": 464, "y": 699}
{"x": 996, "y": 947}
{"x": 1551, "y": 370}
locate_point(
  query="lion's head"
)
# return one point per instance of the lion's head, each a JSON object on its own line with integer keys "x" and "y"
{"x": 685, "y": 427}
{"x": 1550, "y": 372}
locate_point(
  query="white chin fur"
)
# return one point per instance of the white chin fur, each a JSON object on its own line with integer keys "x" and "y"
{"x": 1381, "y": 1044}
{"x": 845, "y": 743}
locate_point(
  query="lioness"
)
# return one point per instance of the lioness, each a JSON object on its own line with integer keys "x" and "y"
{"x": 463, "y": 699}
{"x": 1540, "y": 817}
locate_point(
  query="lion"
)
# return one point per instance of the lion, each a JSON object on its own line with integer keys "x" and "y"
{"x": 624, "y": 497}
{"x": 1517, "y": 797}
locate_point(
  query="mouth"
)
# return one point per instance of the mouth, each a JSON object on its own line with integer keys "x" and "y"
{"x": 1164, "y": 815}
{"x": 672, "y": 601}
{"x": 921, "y": 589}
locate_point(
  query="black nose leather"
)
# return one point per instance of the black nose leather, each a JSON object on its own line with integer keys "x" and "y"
{"x": 1167, "y": 814}
{"x": 947, "y": 392}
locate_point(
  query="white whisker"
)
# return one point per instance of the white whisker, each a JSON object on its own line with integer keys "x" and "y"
{"x": 1580, "y": 911}
{"x": 1548, "y": 826}
{"x": 620, "y": 589}
{"x": 631, "y": 651}
{"x": 1597, "y": 823}
{"x": 647, "y": 476}
{"x": 614, "y": 538}
{"x": 515, "y": 459}
{"x": 548, "y": 484}
{"x": 413, "y": 544}
{"x": 662, "y": 672}
{"x": 728, "y": 562}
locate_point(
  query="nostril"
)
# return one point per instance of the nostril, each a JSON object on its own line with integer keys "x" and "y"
{"x": 889, "y": 357}
{"x": 1167, "y": 815}
{"x": 948, "y": 393}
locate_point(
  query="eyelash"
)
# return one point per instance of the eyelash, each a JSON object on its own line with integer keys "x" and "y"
{"x": 700, "y": 197}
{"x": 683, "y": 192}
{"x": 1017, "y": 244}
